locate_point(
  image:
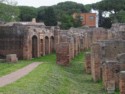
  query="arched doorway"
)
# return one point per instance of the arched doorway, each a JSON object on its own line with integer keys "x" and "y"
{"x": 52, "y": 44}
{"x": 41, "y": 45}
{"x": 75, "y": 46}
{"x": 46, "y": 45}
{"x": 34, "y": 47}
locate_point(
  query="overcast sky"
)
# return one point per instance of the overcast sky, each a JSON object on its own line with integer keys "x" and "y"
{"x": 37, "y": 3}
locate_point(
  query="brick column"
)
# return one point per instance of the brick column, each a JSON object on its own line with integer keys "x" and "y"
{"x": 88, "y": 62}
{"x": 110, "y": 74}
{"x": 122, "y": 82}
{"x": 95, "y": 62}
{"x": 62, "y": 54}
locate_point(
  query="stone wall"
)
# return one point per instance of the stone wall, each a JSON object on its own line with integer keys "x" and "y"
{"x": 62, "y": 54}
{"x": 122, "y": 82}
{"x": 88, "y": 62}
{"x": 107, "y": 60}
{"x": 27, "y": 41}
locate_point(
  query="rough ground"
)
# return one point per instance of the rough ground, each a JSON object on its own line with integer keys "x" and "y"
{"x": 12, "y": 77}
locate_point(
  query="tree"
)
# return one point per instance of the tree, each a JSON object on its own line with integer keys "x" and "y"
{"x": 27, "y": 13}
{"x": 68, "y": 8}
{"x": 50, "y": 17}
{"x": 120, "y": 16}
{"x": 41, "y": 14}
{"x": 88, "y": 7}
{"x": 77, "y": 21}
{"x": 106, "y": 22}
{"x": 112, "y": 6}
{"x": 66, "y": 21}
{"x": 8, "y": 12}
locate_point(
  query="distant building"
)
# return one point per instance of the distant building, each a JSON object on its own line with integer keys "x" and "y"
{"x": 88, "y": 19}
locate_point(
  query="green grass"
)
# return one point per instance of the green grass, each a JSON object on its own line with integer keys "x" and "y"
{"x": 6, "y": 68}
{"x": 50, "y": 78}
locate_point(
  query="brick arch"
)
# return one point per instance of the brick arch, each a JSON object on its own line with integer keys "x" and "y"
{"x": 41, "y": 47}
{"x": 52, "y": 44}
{"x": 47, "y": 45}
{"x": 34, "y": 46}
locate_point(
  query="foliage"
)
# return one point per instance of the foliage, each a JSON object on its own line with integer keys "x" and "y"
{"x": 106, "y": 23}
{"x": 88, "y": 7}
{"x": 8, "y": 12}
{"x": 41, "y": 14}
{"x": 77, "y": 21}
{"x": 27, "y": 13}
{"x": 120, "y": 16}
{"x": 66, "y": 21}
{"x": 50, "y": 17}
{"x": 63, "y": 12}
{"x": 68, "y": 8}
{"x": 112, "y": 6}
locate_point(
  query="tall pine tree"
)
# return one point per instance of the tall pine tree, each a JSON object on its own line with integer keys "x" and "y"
{"x": 50, "y": 17}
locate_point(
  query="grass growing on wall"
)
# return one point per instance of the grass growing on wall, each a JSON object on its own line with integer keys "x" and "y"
{"x": 50, "y": 78}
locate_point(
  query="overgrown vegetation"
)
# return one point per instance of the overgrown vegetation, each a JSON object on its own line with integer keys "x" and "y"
{"x": 114, "y": 8}
{"x": 62, "y": 13}
{"x": 27, "y": 13}
{"x": 50, "y": 78}
{"x": 9, "y": 12}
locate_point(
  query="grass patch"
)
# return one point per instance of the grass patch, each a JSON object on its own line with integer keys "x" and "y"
{"x": 6, "y": 68}
{"x": 50, "y": 78}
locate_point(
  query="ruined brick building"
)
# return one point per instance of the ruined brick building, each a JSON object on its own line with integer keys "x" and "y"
{"x": 27, "y": 40}
{"x": 105, "y": 61}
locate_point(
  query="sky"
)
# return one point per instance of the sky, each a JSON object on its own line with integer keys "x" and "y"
{"x": 38, "y": 3}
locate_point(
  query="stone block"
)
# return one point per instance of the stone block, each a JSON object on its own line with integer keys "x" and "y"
{"x": 110, "y": 87}
{"x": 11, "y": 58}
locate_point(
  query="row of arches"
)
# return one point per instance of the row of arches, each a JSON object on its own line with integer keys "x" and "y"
{"x": 46, "y": 46}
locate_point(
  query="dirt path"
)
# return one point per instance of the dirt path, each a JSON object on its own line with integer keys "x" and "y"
{"x": 12, "y": 77}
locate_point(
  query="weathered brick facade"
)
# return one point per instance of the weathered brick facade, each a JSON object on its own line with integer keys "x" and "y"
{"x": 104, "y": 62}
{"x": 122, "y": 82}
{"x": 62, "y": 54}
{"x": 96, "y": 62}
{"x": 110, "y": 73}
{"x": 88, "y": 62}
{"x": 26, "y": 40}
{"x": 104, "y": 51}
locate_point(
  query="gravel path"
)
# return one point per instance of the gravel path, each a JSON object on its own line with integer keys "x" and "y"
{"x": 12, "y": 77}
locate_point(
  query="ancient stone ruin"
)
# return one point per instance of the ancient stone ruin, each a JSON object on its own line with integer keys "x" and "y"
{"x": 105, "y": 60}
{"x": 26, "y": 40}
